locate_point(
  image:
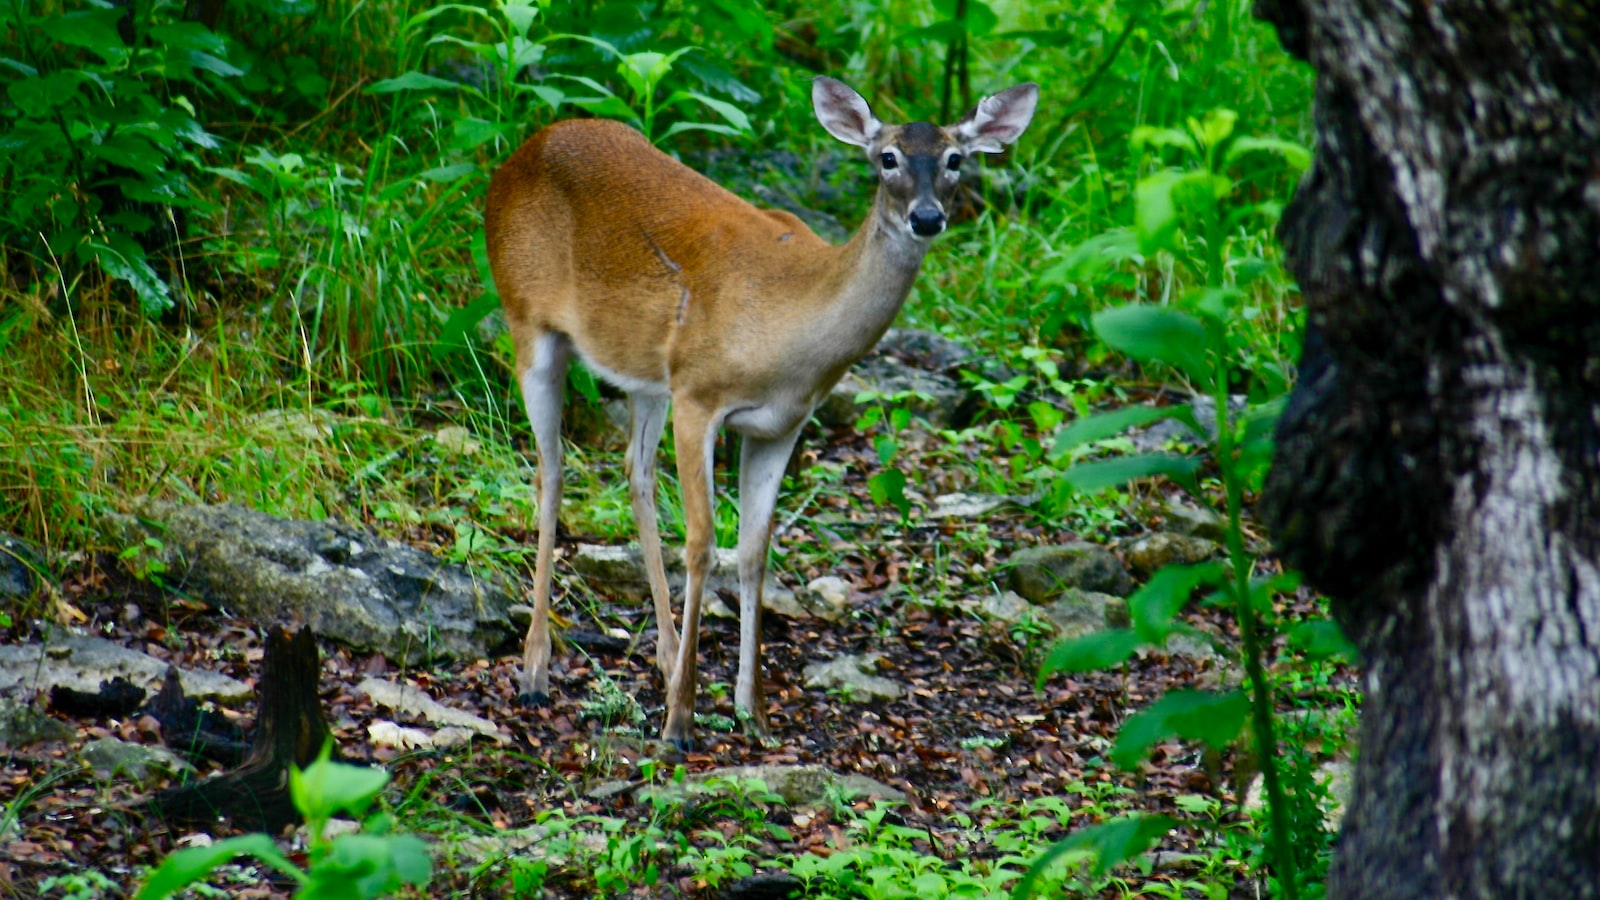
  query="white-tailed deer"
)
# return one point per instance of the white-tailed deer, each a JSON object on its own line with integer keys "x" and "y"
{"x": 675, "y": 290}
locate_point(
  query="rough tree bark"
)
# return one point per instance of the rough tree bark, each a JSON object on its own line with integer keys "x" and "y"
{"x": 1438, "y": 466}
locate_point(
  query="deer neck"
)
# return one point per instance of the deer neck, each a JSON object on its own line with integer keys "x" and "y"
{"x": 875, "y": 268}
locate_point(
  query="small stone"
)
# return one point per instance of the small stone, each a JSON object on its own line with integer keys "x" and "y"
{"x": 1150, "y": 553}
{"x": 22, "y": 724}
{"x": 828, "y": 598}
{"x": 971, "y": 506}
{"x": 1043, "y": 573}
{"x": 1077, "y": 613}
{"x": 144, "y": 765}
{"x": 1196, "y": 522}
{"x": 849, "y": 673}
{"x": 457, "y": 440}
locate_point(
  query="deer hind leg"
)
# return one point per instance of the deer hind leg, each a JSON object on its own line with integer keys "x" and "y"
{"x": 761, "y": 465}
{"x": 543, "y": 364}
{"x": 647, "y": 415}
{"x": 694, "y": 435}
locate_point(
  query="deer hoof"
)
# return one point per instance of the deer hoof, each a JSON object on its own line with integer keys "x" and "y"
{"x": 533, "y": 699}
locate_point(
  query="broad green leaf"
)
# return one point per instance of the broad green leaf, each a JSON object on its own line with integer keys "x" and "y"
{"x": 412, "y": 81}
{"x": 1154, "y": 604}
{"x": 1296, "y": 155}
{"x": 1103, "y": 473}
{"x": 1212, "y": 718}
{"x": 1110, "y": 844}
{"x": 1100, "y": 426}
{"x": 1322, "y": 639}
{"x": 325, "y": 787}
{"x": 191, "y": 864}
{"x": 889, "y": 488}
{"x": 38, "y": 96}
{"x": 1150, "y": 136}
{"x": 713, "y": 127}
{"x": 122, "y": 259}
{"x": 447, "y": 174}
{"x": 94, "y": 30}
{"x": 1156, "y": 334}
{"x": 520, "y": 15}
{"x": 1091, "y": 652}
{"x": 1214, "y": 127}
{"x": 886, "y": 447}
{"x": 214, "y": 64}
{"x": 730, "y": 113}
{"x": 471, "y": 133}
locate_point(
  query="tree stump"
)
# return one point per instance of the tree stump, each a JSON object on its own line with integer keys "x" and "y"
{"x": 290, "y": 731}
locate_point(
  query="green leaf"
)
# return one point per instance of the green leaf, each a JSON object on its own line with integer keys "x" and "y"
{"x": 189, "y": 865}
{"x": 412, "y": 81}
{"x": 886, "y": 447}
{"x": 447, "y": 174}
{"x": 454, "y": 336}
{"x": 1150, "y": 136}
{"x": 1212, "y": 718}
{"x": 1153, "y": 605}
{"x": 1100, "y": 426}
{"x": 123, "y": 259}
{"x": 1322, "y": 639}
{"x": 733, "y": 115}
{"x": 1296, "y": 155}
{"x": 94, "y": 30}
{"x": 519, "y": 14}
{"x": 1109, "y": 844}
{"x": 1091, "y": 652}
{"x": 889, "y": 487}
{"x": 1156, "y": 334}
{"x": 1214, "y": 127}
{"x": 325, "y": 787}
{"x": 713, "y": 127}
{"x": 1096, "y": 475}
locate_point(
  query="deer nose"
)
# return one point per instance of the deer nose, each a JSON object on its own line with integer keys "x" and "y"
{"x": 927, "y": 221}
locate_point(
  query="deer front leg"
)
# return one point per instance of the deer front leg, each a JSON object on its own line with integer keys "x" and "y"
{"x": 761, "y": 465}
{"x": 647, "y": 415}
{"x": 543, "y": 381}
{"x": 694, "y": 435}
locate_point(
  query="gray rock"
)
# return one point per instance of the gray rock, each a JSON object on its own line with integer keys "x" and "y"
{"x": 797, "y": 785}
{"x": 82, "y": 662}
{"x": 1073, "y": 614}
{"x": 1160, "y": 435}
{"x": 365, "y": 591}
{"x": 930, "y": 395}
{"x": 1336, "y": 773}
{"x": 22, "y": 724}
{"x": 1195, "y": 521}
{"x": 851, "y": 674}
{"x": 1043, "y": 573}
{"x": 409, "y": 701}
{"x": 1076, "y": 613}
{"x": 620, "y": 570}
{"x": 828, "y": 598}
{"x": 1150, "y": 552}
{"x": 973, "y": 506}
{"x": 110, "y": 757}
{"x": 21, "y": 564}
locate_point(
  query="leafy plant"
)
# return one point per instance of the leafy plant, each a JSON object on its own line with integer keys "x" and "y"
{"x": 102, "y": 140}
{"x": 369, "y": 863}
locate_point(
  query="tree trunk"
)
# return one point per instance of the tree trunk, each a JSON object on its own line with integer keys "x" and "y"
{"x": 1438, "y": 466}
{"x": 290, "y": 731}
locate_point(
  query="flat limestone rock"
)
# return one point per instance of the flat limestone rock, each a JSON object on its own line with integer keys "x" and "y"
{"x": 367, "y": 592}
{"x": 407, "y": 700}
{"x": 81, "y": 662}
{"x": 851, "y": 674}
{"x": 621, "y": 570}
{"x": 22, "y": 724}
{"x": 798, "y": 785}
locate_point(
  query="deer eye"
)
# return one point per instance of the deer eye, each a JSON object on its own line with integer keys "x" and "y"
{"x": 954, "y": 162}
{"x": 889, "y": 162}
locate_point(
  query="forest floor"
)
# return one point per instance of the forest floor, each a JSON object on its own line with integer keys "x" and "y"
{"x": 971, "y": 741}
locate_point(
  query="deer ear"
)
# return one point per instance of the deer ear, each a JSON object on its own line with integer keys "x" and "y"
{"x": 998, "y": 120}
{"x": 843, "y": 112}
